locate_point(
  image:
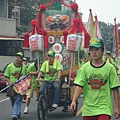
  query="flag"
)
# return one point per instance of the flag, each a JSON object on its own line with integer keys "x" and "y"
{"x": 22, "y": 85}
{"x": 97, "y": 32}
{"x": 90, "y": 24}
{"x": 116, "y": 37}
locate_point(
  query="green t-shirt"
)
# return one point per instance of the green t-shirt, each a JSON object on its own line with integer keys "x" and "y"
{"x": 53, "y": 72}
{"x": 114, "y": 63}
{"x": 32, "y": 68}
{"x": 12, "y": 72}
{"x": 82, "y": 63}
{"x": 97, "y": 83}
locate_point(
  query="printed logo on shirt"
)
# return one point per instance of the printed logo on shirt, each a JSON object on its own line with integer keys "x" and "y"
{"x": 96, "y": 81}
{"x": 52, "y": 72}
{"x": 16, "y": 74}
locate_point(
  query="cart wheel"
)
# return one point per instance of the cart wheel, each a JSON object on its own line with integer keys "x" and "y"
{"x": 41, "y": 108}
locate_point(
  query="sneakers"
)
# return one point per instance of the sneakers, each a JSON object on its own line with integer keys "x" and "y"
{"x": 26, "y": 110}
{"x": 37, "y": 99}
{"x": 14, "y": 117}
{"x": 24, "y": 101}
{"x": 54, "y": 105}
{"x": 81, "y": 95}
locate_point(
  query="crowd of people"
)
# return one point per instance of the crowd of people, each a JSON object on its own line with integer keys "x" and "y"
{"x": 96, "y": 78}
{"x": 51, "y": 70}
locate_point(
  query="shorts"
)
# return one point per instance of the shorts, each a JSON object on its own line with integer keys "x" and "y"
{"x": 30, "y": 92}
{"x": 97, "y": 117}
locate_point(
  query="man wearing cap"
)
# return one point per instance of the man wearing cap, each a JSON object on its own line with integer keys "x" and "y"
{"x": 24, "y": 62}
{"x": 110, "y": 59}
{"x": 108, "y": 56}
{"x": 13, "y": 72}
{"x": 51, "y": 69}
{"x": 98, "y": 78}
{"x": 33, "y": 72}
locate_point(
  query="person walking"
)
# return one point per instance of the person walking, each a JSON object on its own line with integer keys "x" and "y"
{"x": 98, "y": 78}
{"x": 33, "y": 71}
{"x": 51, "y": 70}
{"x": 13, "y": 72}
{"x": 25, "y": 62}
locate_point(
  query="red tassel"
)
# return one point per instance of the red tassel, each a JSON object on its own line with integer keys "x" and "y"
{"x": 87, "y": 41}
{"x": 74, "y": 6}
{"x": 26, "y": 40}
{"x": 45, "y": 39}
{"x": 77, "y": 26}
{"x": 33, "y": 23}
{"x": 65, "y": 33}
{"x": 44, "y": 33}
{"x": 42, "y": 7}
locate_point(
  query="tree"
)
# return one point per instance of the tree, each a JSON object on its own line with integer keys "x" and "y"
{"x": 27, "y": 11}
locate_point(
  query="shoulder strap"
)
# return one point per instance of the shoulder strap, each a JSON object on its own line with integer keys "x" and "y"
{"x": 20, "y": 72}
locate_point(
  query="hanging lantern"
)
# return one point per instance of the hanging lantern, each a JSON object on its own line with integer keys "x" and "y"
{"x": 36, "y": 43}
{"x": 73, "y": 42}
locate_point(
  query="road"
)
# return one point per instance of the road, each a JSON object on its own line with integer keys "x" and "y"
{"x": 6, "y": 110}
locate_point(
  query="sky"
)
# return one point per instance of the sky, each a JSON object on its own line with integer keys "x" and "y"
{"x": 106, "y": 10}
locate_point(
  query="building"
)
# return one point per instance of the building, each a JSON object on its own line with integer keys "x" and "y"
{"x": 10, "y": 44}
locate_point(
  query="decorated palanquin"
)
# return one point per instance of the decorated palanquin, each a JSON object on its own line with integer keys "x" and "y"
{"x": 59, "y": 30}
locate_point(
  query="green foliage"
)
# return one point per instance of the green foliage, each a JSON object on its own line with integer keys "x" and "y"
{"x": 27, "y": 9}
{"x": 27, "y": 12}
{"x": 107, "y": 30}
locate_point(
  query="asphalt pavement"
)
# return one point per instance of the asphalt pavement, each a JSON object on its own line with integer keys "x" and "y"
{"x": 6, "y": 111}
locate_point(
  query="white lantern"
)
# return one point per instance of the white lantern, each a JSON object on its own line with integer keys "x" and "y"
{"x": 57, "y": 48}
{"x": 59, "y": 57}
{"x": 73, "y": 42}
{"x": 51, "y": 39}
{"x": 36, "y": 43}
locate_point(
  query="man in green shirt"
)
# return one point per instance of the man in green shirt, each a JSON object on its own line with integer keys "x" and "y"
{"x": 33, "y": 72}
{"x": 51, "y": 70}
{"x": 98, "y": 79}
{"x": 13, "y": 72}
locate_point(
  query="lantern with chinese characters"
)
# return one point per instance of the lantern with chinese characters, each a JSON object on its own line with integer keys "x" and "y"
{"x": 59, "y": 57}
{"x": 36, "y": 43}
{"x": 51, "y": 39}
{"x": 73, "y": 42}
{"x": 57, "y": 48}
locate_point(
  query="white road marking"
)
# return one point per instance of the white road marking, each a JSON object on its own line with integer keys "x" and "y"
{"x": 4, "y": 100}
